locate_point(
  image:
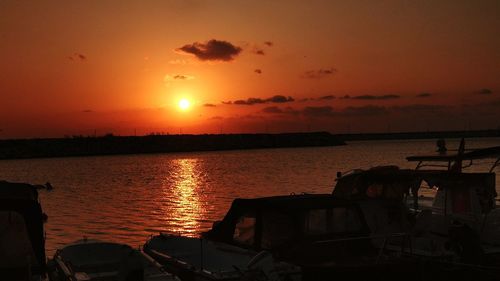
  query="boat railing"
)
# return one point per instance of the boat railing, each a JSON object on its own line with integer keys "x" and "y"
{"x": 386, "y": 239}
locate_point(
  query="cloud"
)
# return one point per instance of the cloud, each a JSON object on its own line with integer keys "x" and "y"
{"x": 420, "y": 108}
{"x": 252, "y": 101}
{"x": 209, "y": 105}
{"x": 177, "y": 77}
{"x": 321, "y": 73}
{"x": 278, "y": 110}
{"x": 328, "y": 111}
{"x": 87, "y": 111}
{"x": 249, "y": 101}
{"x": 269, "y": 43}
{"x": 318, "y": 111}
{"x": 363, "y": 110}
{"x": 485, "y": 92}
{"x": 179, "y": 62}
{"x": 423, "y": 95}
{"x": 258, "y": 71}
{"x": 372, "y": 97}
{"x": 258, "y": 51}
{"x": 272, "y": 109}
{"x": 77, "y": 57}
{"x": 328, "y": 97}
{"x": 213, "y": 50}
{"x": 280, "y": 99}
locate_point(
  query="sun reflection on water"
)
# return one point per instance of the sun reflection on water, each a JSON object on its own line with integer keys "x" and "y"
{"x": 185, "y": 209}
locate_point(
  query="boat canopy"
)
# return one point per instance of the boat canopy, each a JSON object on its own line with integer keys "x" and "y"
{"x": 393, "y": 183}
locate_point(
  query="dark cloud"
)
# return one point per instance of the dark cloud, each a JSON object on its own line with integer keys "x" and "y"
{"x": 282, "y": 111}
{"x": 272, "y": 109}
{"x": 169, "y": 78}
{"x": 216, "y": 118}
{"x": 258, "y": 71}
{"x": 423, "y": 95}
{"x": 321, "y": 73}
{"x": 328, "y": 97}
{"x": 87, "y": 111}
{"x": 77, "y": 57}
{"x": 181, "y": 77}
{"x": 372, "y": 97}
{"x": 420, "y": 108}
{"x": 209, "y": 105}
{"x": 318, "y": 111}
{"x": 213, "y": 50}
{"x": 280, "y": 99}
{"x": 252, "y": 101}
{"x": 328, "y": 111}
{"x": 269, "y": 43}
{"x": 485, "y": 92}
{"x": 249, "y": 101}
{"x": 258, "y": 51}
{"x": 363, "y": 110}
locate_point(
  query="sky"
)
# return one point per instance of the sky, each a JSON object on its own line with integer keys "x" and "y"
{"x": 72, "y": 68}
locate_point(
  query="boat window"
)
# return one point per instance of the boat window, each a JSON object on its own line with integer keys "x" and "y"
{"x": 244, "y": 231}
{"x": 338, "y": 220}
{"x": 277, "y": 229}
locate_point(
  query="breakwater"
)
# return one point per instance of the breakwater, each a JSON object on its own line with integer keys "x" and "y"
{"x": 113, "y": 145}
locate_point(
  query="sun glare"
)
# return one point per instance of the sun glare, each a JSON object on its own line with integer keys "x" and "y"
{"x": 184, "y": 104}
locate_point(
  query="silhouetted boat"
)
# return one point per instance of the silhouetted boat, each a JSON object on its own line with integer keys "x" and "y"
{"x": 95, "y": 260}
{"x": 458, "y": 228}
{"x": 325, "y": 236}
{"x": 202, "y": 259}
{"x": 22, "y": 241}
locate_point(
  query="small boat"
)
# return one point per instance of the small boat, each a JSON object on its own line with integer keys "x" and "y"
{"x": 22, "y": 240}
{"x": 96, "y": 260}
{"x": 202, "y": 259}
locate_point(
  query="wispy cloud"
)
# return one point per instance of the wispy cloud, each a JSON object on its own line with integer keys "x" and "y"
{"x": 327, "y": 97}
{"x": 372, "y": 97}
{"x": 176, "y": 77}
{"x": 258, "y": 71}
{"x": 318, "y": 111}
{"x": 269, "y": 43}
{"x": 212, "y": 50}
{"x": 253, "y": 101}
{"x": 77, "y": 57}
{"x": 320, "y": 73}
{"x": 485, "y": 91}
{"x": 424, "y": 95}
{"x": 209, "y": 105}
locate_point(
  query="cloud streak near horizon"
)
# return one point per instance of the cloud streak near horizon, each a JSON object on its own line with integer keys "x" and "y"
{"x": 253, "y": 101}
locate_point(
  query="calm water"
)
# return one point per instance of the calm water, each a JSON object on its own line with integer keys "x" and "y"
{"x": 129, "y": 198}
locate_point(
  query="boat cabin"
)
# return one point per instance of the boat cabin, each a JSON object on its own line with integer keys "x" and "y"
{"x": 22, "y": 240}
{"x": 306, "y": 227}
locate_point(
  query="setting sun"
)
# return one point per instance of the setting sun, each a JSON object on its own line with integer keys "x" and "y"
{"x": 184, "y": 104}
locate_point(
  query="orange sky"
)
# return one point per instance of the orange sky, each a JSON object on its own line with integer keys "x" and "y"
{"x": 79, "y": 67}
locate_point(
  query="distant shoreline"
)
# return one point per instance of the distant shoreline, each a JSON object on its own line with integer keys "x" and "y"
{"x": 420, "y": 135}
{"x": 122, "y": 145}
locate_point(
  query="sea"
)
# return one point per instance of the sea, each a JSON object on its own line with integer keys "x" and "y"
{"x": 128, "y": 198}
